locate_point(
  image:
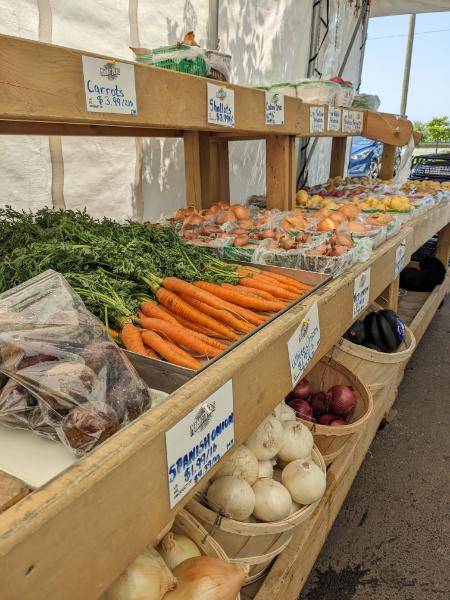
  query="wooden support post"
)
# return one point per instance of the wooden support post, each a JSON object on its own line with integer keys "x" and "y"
{"x": 224, "y": 171}
{"x": 443, "y": 245}
{"x": 192, "y": 169}
{"x": 388, "y": 161}
{"x": 11, "y": 490}
{"x": 292, "y": 173}
{"x": 206, "y": 169}
{"x": 338, "y": 156}
{"x": 390, "y": 295}
{"x": 278, "y": 171}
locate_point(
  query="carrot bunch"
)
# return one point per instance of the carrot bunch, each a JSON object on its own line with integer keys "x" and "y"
{"x": 193, "y": 321}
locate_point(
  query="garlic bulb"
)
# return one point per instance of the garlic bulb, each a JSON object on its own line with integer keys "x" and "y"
{"x": 283, "y": 412}
{"x": 231, "y": 497}
{"x": 208, "y": 578}
{"x": 272, "y": 500}
{"x": 267, "y": 439}
{"x": 297, "y": 442}
{"x": 146, "y": 577}
{"x": 305, "y": 481}
{"x": 176, "y": 548}
{"x": 265, "y": 469}
{"x": 242, "y": 463}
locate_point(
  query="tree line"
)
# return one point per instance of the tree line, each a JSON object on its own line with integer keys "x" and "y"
{"x": 435, "y": 130}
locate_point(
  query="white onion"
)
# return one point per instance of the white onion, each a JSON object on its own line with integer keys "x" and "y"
{"x": 265, "y": 469}
{"x": 267, "y": 439}
{"x": 231, "y": 497}
{"x": 305, "y": 481}
{"x": 176, "y": 548}
{"x": 295, "y": 507}
{"x": 283, "y": 412}
{"x": 297, "y": 441}
{"x": 146, "y": 577}
{"x": 272, "y": 500}
{"x": 242, "y": 463}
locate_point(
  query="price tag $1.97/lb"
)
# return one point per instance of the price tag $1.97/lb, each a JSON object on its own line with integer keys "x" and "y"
{"x": 198, "y": 441}
{"x": 303, "y": 344}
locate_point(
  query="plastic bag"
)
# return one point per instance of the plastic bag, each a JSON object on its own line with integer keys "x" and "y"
{"x": 60, "y": 374}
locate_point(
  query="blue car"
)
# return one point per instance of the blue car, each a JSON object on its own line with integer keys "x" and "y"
{"x": 365, "y": 158}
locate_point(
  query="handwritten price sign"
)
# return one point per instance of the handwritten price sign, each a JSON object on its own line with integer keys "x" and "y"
{"x": 220, "y": 106}
{"x": 109, "y": 86}
{"x": 361, "y": 292}
{"x": 303, "y": 343}
{"x": 274, "y": 108}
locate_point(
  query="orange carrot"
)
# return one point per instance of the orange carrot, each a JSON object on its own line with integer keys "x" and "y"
{"x": 150, "y": 309}
{"x": 170, "y": 351}
{"x": 183, "y": 287}
{"x": 239, "y": 298}
{"x": 146, "y": 323}
{"x": 279, "y": 292}
{"x": 180, "y": 335}
{"x": 221, "y": 315}
{"x": 281, "y": 278}
{"x": 190, "y": 324}
{"x": 151, "y": 353}
{"x": 251, "y": 291}
{"x": 112, "y": 332}
{"x": 179, "y": 306}
{"x": 131, "y": 338}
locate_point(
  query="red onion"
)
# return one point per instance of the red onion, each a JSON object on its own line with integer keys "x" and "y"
{"x": 338, "y": 422}
{"x": 302, "y": 390}
{"x": 319, "y": 404}
{"x": 342, "y": 400}
{"x": 302, "y": 408}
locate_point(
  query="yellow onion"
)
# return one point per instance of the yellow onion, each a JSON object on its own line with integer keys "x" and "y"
{"x": 349, "y": 210}
{"x": 192, "y": 220}
{"x": 241, "y": 212}
{"x": 246, "y": 223}
{"x": 326, "y": 225}
{"x": 343, "y": 239}
{"x": 240, "y": 240}
{"x": 225, "y": 216}
{"x": 323, "y": 213}
{"x": 356, "y": 227}
{"x": 338, "y": 218}
{"x": 207, "y": 578}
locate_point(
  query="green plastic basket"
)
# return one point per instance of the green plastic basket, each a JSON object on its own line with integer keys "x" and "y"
{"x": 193, "y": 66}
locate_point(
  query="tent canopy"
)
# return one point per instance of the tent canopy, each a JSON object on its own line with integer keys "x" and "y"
{"x": 383, "y": 8}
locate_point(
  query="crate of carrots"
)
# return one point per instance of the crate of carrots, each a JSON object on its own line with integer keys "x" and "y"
{"x": 158, "y": 296}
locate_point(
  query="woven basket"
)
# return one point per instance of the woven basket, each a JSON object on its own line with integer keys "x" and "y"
{"x": 256, "y": 544}
{"x": 331, "y": 440}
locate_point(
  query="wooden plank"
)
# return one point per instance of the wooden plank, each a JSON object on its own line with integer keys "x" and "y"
{"x": 338, "y": 157}
{"x": 443, "y": 245}
{"x": 192, "y": 169}
{"x": 388, "y": 161}
{"x": 417, "y": 136}
{"x": 11, "y": 491}
{"x": 44, "y": 83}
{"x": 292, "y": 190}
{"x": 80, "y": 129}
{"x": 426, "y": 225}
{"x": 391, "y": 294}
{"x": 386, "y": 128}
{"x": 278, "y": 172}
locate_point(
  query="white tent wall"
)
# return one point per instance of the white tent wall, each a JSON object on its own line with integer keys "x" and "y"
{"x": 141, "y": 178}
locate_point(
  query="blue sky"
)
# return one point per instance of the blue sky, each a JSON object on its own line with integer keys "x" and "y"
{"x": 429, "y": 91}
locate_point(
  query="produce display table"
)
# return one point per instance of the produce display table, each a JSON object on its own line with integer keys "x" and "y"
{"x": 78, "y": 532}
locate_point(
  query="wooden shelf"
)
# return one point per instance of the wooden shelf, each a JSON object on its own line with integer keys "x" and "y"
{"x": 42, "y": 92}
{"x": 76, "y": 534}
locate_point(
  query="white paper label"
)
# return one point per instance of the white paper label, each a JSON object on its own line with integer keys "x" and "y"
{"x": 316, "y": 119}
{"x": 352, "y": 121}
{"x": 303, "y": 343}
{"x": 109, "y": 86}
{"x": 274, "y": 108}
{"x": 220, "y": 106}
{"x": 361, "y": 292}
{"x": 334, "y": 119}
{"x": 400, "y": 258}
{"x": 199, "y": 441}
